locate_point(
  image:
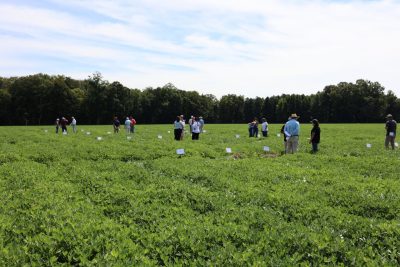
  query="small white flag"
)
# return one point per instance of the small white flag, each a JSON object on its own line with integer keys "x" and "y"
{"x": 159, "y": 136}
{"x": 369, "y": 145}
{"x": 180, "y": 151}
{"x": 45, "y": 131}
{"x": 396, "y": 144}
{"x": 266, "y": 148}
{"x": 99, "y": 138}
{"x": 204, "y": 131}
{"x": 88, "y": 133}
{"x": 237, "y": 136}
{"x": 228, "y": 150}
{"x": 279, "y": 135}
{"x": 108, "y": 132}
{"x": 169, "y": 131}
{"x": 129, "y": 137}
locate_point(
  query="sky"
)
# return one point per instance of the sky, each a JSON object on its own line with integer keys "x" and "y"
{"x": 251, "y": 48}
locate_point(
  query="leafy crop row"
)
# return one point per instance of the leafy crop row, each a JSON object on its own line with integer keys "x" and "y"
{"x": 74, "y": 200}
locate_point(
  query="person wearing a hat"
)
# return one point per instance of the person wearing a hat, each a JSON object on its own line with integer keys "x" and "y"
{"x": 292, "y": 130}
{"x": 315, "y": 135}
{"x": 391, "y": 126}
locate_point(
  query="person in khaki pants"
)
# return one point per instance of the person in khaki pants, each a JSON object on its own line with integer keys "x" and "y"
{"x": 292, "y": 130}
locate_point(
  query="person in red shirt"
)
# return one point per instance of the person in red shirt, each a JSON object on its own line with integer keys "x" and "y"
{"x": 133, "y": 123}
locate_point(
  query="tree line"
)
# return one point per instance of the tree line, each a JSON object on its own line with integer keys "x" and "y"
{"x": 41, "y": 98}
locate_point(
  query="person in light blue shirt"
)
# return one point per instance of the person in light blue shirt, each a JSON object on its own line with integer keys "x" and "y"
{"x": 292, "y": 131}
{"x": 128, "y": 125}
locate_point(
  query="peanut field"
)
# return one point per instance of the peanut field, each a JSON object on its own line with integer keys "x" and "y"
{"x": 96, "y": 198}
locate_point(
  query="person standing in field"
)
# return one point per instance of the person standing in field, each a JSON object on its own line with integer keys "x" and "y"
{"x": 201, "y": 121}
{"x": 116, "y": 124}
{"x": 284, "y": 137}
{"x": 264, "y": 127}
{"x": 73, "y": 124}
{"x": 133, "y": 123}
{"x": 251, "y": 129}
{"x": 255, "y": 127}
{"x": 178, "y": 127}
{"x": 292, "y": 130}
{"x": 390, "y": 127}
{"x": 183, "y": 126}
{"x": 57, "y": 125}
{"x": 64, "y": 123}
{"x": 128, "y": 125}
{"x": 195, "y": 128}
{"x": 315, "y": 135}
{"x": 191, "y": 122}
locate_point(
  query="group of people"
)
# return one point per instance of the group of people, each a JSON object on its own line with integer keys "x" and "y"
{"x": 253, "y": 127}
{"x": 196, "y": 125}
{"x": 63, "y": 122}
{"x": 129, "y": 125}
{"x": 290, "y": 129}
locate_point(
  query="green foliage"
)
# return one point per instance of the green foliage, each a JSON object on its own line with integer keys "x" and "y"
{"x": 74, "y": 200}
{"x": 39, "y": 99}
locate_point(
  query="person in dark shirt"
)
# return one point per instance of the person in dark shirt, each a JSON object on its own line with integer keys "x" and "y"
{"x": 116, "y": 124}
{"x": 64, "y": 123}
{"x": 284, "y": 137}
{"x": 391, "y": 126}
{"x": 315, "y": 135}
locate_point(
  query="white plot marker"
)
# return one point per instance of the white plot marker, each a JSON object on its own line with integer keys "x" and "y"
{"x": 108, "y": 132}
{"x": 266, "y": 148}
{"x": 237, "y": 136}
{"x": 169, "y": 131}
{"x": 180, "y": 151}
{"x": 129, "y": 137}
{"x": 159, "y": 136}
{"x": 45, "y": 131}
{"x": 396, "y": 144}
{"x": 204, "y": 131}
{"x": 278, "y": 135}
{"x": 88, "y": 133}
{"x": 99, "y": 138}
{"x": 369, "y": 145}
{"x": 228, "y": 150}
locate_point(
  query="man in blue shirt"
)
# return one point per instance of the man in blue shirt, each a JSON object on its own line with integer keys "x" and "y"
{"x": 292, "y": 130}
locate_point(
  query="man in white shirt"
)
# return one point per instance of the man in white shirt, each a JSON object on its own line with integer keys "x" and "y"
{"x": 264, "y": 127}
{"x": 73, "y": 124}
{"x": 195, "y": 128}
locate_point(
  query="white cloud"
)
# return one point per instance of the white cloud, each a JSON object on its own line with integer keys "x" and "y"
{"x": 245, "y": 47}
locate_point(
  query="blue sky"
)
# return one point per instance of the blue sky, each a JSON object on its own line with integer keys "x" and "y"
{"x": 251, "y": 48}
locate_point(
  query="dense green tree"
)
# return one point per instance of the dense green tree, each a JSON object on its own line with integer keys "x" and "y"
{"x": 231, "y": 109}
{"x": 41, "y": 98}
